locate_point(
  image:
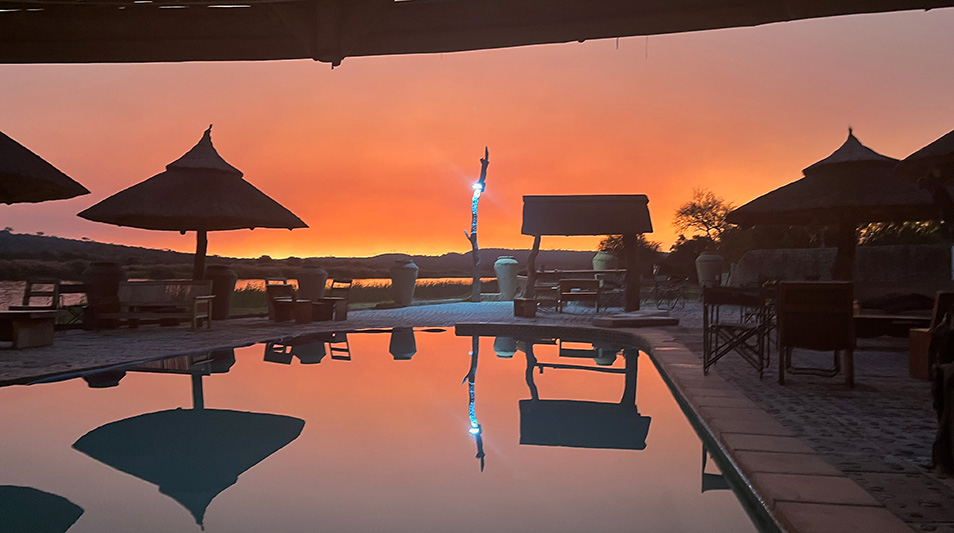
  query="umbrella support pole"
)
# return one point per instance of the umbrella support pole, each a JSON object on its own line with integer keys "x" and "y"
{"x": 844, "y": 265}
{"x": 201, "y": 245}
{"x": 198, "y": 399}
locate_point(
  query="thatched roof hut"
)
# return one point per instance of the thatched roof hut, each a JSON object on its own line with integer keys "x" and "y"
{"x": 852, "y": 186}
{"x": 198, "y": 192}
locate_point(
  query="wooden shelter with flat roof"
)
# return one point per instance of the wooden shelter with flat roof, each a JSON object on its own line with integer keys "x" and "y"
{"x": 591, "y": 214}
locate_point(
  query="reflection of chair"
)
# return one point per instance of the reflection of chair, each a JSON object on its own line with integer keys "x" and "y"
{"x": 736, "y": 320}
{"x": 817, "y": 316}
{"x": 276, "y": 352}
{"x": 339, "y": 347}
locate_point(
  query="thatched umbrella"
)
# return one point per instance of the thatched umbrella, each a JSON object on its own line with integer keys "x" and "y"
{"x": 27, "y": 177}
{"x": 934, "y": 160}
{"x": 852, "y": 186}
{"x": 932, "y": 168}
{"x": 198, "y": 192}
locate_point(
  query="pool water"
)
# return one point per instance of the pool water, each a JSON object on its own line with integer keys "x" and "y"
{"x": 402, "y": 430}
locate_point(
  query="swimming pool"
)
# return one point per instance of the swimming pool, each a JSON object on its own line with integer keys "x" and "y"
{"x": 390, "y": 430}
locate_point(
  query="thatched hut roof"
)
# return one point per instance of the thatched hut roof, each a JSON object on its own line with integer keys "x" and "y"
{"x": 939, "y": 156}
{"x": 27, "y": 177}
{"x": 851, "y": 156}
{"x": 198, "y": 191}
{"x": 853, "y": 184}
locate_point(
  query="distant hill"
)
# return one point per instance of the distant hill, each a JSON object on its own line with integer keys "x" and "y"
{"x": 23, "y": 256}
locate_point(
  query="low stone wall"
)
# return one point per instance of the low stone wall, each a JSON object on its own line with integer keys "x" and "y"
{"x": 879, "y": 270}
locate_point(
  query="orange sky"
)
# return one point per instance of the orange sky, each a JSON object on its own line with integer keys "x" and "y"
{"x": 379, "y": 154}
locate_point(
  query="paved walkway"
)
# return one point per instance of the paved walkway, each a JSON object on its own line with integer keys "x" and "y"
{"x": 878, "y": 435}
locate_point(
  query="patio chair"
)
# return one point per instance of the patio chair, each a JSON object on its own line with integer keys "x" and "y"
{"x": 281, "y": 301}
{"x": 816, "y": 316}
{"x": 46, "y": 290}
{"x": 737, "y": 320}
{"x": 337, "y": 295}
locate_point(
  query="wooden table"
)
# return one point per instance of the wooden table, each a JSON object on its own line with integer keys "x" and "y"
{"x": 28, "y": 329}
{"x": 875, "y": 325}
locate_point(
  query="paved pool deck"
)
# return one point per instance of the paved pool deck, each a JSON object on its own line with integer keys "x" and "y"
{"x": 819, "y": 457}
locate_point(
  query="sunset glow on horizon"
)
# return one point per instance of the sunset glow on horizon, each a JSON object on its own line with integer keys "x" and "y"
{"x": 379, "y": 155}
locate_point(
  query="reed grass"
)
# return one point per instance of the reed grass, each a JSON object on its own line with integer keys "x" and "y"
{"x": 251, "y": 300}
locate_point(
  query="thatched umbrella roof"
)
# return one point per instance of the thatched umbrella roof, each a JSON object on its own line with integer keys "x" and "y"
{"x": 852, "y": 186}
{"x": 198, "y": 192}
{"x": 27, "y": 177}
{"x": 935, "y": 158}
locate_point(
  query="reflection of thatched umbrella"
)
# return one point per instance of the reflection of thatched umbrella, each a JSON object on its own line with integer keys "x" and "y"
{"x": 26, "y": 177}
{"x": 191, "y": 454}
{"x": 29, "y": 509}
{"x": 198, "y": 192}
{"x": 852, "y": 186}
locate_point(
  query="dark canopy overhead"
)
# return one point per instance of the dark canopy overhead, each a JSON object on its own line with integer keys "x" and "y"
{"x": 27, "y": 177}
{"x": 94, "y": 31}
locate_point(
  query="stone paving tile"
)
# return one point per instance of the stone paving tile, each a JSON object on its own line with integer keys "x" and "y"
{"x": 820, "y": 518}
{"x": 736, "y": 401}
{"x": 776, "y": 488}
{"x": 769, "y": 443}
{"x": 783, "y": 463}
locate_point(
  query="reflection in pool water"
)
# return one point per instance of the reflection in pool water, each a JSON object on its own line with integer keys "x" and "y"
{"x": 356, "y": 436}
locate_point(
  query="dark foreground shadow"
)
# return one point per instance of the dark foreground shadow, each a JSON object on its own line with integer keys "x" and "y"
{"x": 27, "y": 509}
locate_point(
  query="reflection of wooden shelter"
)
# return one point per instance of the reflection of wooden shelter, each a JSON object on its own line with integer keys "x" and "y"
{"x": 87, "y": 31}
{"x": 618, "y": 214}
{"x": 583, "y": 424}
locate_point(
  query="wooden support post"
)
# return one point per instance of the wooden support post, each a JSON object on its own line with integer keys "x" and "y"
{"x": 843, "y": 267}
{"x": 201, "y": 245}
{"x": 530, "y": 292}
{"x": 631, "y": 294}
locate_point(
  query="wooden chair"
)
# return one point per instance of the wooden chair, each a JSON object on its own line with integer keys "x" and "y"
{"x": 919, "y": 339}
{"x": 337, "y": 294}
{"x": 44, "y": 289}
{"x": 281, "y": 301}
{"x": 817, "y": 316}
{"x": 579, "y": 290}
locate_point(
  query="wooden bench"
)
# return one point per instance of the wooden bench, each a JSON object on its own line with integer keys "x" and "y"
{"x": 28, "y": 328}
{"x": 579, "y": 290}
{"x": 172, "y": 300}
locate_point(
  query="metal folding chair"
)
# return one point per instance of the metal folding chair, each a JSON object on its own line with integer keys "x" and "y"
{"x": 737, "y": 320}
